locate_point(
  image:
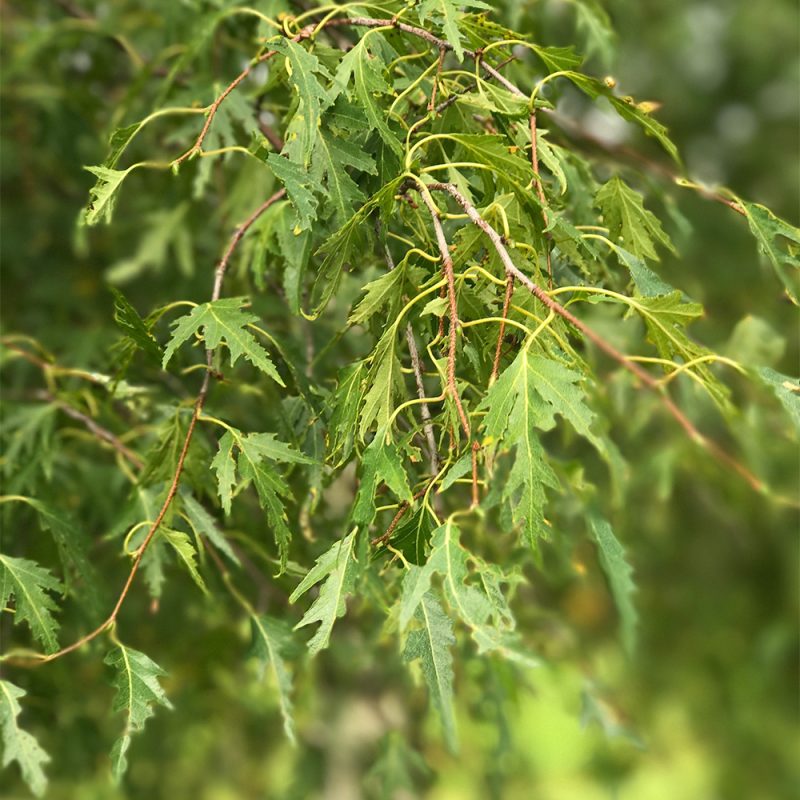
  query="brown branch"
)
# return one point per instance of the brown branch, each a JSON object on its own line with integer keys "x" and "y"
{"x": 537, "y": 179}
{"x": 502, "y": 332}
{"x": 452, "y": 387}
{"x": 416, "y": 366}
{"x": 98, "y": 430}
{"x": 404, "y": 506}
{"x": 219, "y": 274}
{"x": 632, "y": 367}
{"x": 449, "y": 275}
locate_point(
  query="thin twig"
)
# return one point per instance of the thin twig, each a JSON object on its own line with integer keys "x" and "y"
{"x": 452, "y": 387}
{"x": 537, "y": 179}
{"x": 601, "y": 343}
{"x": 98, "y": 430}
{"x": 404, "y": 506}
{"x": 416, "y": 366}
{"x": 219, "y": 275}
{"x": 502, "y": 332}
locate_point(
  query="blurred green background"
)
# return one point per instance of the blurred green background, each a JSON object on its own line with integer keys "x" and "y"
{"x": 708, "y": 708}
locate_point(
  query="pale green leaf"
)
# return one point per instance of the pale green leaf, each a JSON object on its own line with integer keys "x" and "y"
{"x": 431, "y": 643}
{"x": 779, "y": 242}
{"x": 272, "y": 643}
{"x": 186, "y": 552}
{"x": 628, "y": 221}
{"x": 218, "y": 322}
{"x": 447, "y": 13}
{"x": 618, "y": 572}
{"x": 18, "y": 744}
{"x": 30, "y": 585}
{"x": 338, "y": 568}
{"x": 787, "y": 390}
{"x": 138, "y": 690}
{"x": 204, "y": 524}
{"x": 103, "y": 195}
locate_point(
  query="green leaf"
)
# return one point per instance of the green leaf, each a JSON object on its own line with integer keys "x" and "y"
{"x": 222, "y": 321}
{"x": 18, "y": 744}
{"x": 103, "y": 195}
{"x": 494, "y": 151}
{"x": 383, "y": 291}
{"x": 385, "y": 382}
{"x": 134, "y": 326}
{"x": 618, "y": 572}
{"x": 628, "y": 221}
{"x": 431, "y": 643}
{"x": 787, "y": 390}
{"x": 366, "y": 70}
{"x": 303, "y": 68}
{"x": 447, "y": 13}
{"x": 338, "y": 568}
{"x": 186, "y": 552}
{"x": 558, "y": 58}
{"x": 595, "y": 26}
{"x": 513, "y": 410}
{"x": 298, "y": 184}
{"x": 779, "y": 242}
{"x": 73, "y": 545}
{"x": 256, "y": 452}
{"x": 272, "y": 644}
{"x": 136, "y": 681}
{"x": 29, "y": 584}
{"x": 204, "y": 524}
{"x": 331, "y": 156}
{"x": 666, "y": 317}
{"x": 347, "y": 244}
{"x": 343, "y": 423}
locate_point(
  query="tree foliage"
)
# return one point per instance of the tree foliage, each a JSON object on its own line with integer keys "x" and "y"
{"x": 390, "y": 341}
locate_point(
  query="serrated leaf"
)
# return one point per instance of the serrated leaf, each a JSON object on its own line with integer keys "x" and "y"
{"x": 218, "y": 322}
{"x": 298, "y": 184}
{"x": 666, "y": 317}
{"x": 366, "y": 71}
{"x": 628, "y": 221}
{"x": 134, "y": 327}
{"x": 513, "y": 411}
{"x": 345, "y": 403}
{"x": 447, "y": 13}
{"x": 494, "y": 151}
{"x": 558, "y": 58}
{"x": 272, "y": 644}
{"x": 787, "y": 390}
{"x": 338, "y": 568}
{"x": 431, "y": 644}
{"x": 204, "y": 524}
{"x": 18, "y": 744}
{"x": 253, "y": 459}
{"x": 303, "y": 68}
{"x": 73, "y": 545}
{"x": 595, "y": 26}
{"x": 779, "y": 242}
{"x": 331, "y": 156}
{"x": 377, "y": 294}
{"x": 618, "y": 572}
{"x": 186, "y": 552}
{"x": 385, "y": 382}
{"x": 138, "y": 690}
{"x": 103, "y": 195}
{"x": 381, "y": 463}
{"x": 345, "y": 244}
{"x": 29, "y": 585}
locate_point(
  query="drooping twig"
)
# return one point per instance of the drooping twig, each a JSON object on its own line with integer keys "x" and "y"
{"x": 416, "y": 366}
{"x": 219, "y": 275}
{"x": 501, "y": 334}
{"x": 601, "y": 343}
{"x": 452, "y": 387}
{"x": 98, "y": 430}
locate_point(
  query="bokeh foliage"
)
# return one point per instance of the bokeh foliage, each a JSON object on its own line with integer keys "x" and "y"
{"x": 707, "y": 704}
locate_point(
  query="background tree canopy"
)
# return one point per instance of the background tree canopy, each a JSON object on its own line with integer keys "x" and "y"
{"x": 412, "y": 415}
